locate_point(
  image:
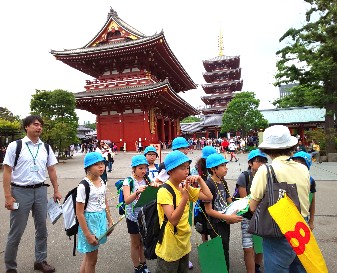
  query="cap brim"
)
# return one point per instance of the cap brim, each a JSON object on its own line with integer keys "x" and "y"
{"x": 291, "y": 143}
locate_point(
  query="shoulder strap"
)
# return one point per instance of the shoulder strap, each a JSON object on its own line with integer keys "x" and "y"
{"x": 46, "y": 145}
{"x": 131, "y": 183}
{"x": 170, "y": 190}
{"x": 17, "y": 151}
{"x": 248, "y": 184}
{"x": 87, "y": 192}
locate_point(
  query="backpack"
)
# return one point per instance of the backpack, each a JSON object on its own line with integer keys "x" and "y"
{"x": 69, "y": 211}
{"x": 236, "y": 194}
{"x": 119, "y": 186}
{"x": 148, "y": 222}
{"x": 121, "y": 202}
{"x": 18, "y": 150}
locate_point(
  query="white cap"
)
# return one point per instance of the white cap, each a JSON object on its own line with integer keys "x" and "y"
{"x": 277, "y": 137}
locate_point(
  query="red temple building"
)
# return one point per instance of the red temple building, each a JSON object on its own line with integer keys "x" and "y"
{"x": 135, "y": 84}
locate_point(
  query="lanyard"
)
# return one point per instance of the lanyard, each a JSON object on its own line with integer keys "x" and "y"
{"x": 34, "y": 157}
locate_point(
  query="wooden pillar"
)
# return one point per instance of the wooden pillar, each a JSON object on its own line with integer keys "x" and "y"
{"x": 121, "y": 130}
{"x": 162, "y": 129}
{"x": 169, "y": 131}
{"x": 174, "y": 129}
{"x": 98, "y": 127}
{"x": 207, "y": 134}
{"x": 301, "y": 133}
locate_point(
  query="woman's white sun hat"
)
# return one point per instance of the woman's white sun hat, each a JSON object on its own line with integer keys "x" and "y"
{"x": 277, "y": 137}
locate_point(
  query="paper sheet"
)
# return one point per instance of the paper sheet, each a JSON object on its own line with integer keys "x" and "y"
{"x": 54, "y": 210}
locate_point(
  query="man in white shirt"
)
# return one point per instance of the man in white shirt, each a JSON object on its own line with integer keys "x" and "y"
{"x": 25, "y": 190}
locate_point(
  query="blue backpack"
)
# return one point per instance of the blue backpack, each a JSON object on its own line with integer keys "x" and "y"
{"x": 121, "y": 201}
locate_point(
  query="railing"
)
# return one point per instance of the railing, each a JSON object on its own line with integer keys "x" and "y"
{"x": 98, "y": 84}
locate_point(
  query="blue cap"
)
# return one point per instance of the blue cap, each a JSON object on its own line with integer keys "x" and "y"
{"x": 179, "y": 142}
{"x": 305, "y": 156}
{"x": 175, "y": 159}
{"x": 150, "y": 149}
{"x": 215, "y": 160}
{"x": 207, "y": 151}
{"x": 139, "y": 160}
{"x": 92, "y": 158}
{"x": 255, "y": 153}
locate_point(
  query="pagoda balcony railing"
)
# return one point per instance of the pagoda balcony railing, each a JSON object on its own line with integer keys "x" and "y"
{"x": 98, "y": 84}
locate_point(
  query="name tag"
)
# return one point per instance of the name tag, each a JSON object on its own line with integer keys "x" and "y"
{"x": 34, "y": 168}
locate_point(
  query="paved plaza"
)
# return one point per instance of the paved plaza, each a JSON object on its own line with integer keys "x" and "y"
{"x": 114, "y": 256}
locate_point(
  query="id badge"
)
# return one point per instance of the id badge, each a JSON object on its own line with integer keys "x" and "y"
{"x": 34, "y": 168}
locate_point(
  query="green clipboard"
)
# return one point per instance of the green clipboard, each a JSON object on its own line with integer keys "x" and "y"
{"x": 212, "y": 257}
{"x": 147, "y": 196}
{"x": 257, "y": 241}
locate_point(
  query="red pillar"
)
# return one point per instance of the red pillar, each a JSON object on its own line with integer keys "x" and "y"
{"x": 169, "y": 130}
{"x": 162, "y": 129}
{"x": 98, "y": 127}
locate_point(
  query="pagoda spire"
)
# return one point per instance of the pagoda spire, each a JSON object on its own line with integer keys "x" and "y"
{"x": 220, "y": 44}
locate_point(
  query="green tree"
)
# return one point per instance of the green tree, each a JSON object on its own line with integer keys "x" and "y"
{"x": 310, "y": 59}
{"x": 57, "y": 108}
{"x": 190, "y": 119}
{"x": 242, "y": 114}
{"x": 5, "y": 114}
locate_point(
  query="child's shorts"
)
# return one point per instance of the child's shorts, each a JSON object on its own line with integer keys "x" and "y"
{"x": 132, "y": 227}
{"x": 97, "y": 224}
{"x": 247, "y": 238}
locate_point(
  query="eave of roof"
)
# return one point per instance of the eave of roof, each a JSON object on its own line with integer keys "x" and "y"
{"x": 117, "y": 93}
{"x": 291, "y": 115}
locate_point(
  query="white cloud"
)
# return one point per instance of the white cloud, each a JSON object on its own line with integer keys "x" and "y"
{"x": 30, "y": 29}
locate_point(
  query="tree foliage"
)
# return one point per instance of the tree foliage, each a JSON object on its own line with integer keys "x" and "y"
{"x": 190, "y": 119}
{"x": 5, "y": 114}
{"x": 310, "y": 59}
{"x": 57, "y": 108}
{"x": 242, "y": 114}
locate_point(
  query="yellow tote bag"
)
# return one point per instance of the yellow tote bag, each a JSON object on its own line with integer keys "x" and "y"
{"x": 298, "y": 234}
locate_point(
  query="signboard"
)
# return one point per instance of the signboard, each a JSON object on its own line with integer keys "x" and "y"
{"x": 158, "y": 148}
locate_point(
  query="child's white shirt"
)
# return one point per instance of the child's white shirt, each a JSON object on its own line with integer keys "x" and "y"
{"x": 96, "y": 202}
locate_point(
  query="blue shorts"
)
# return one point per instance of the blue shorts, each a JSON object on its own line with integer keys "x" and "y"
{"x": 247, "y": 238}
{"x": 97, "y": 224}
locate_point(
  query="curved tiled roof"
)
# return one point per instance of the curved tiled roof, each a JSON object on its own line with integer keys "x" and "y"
{"x": 115, "y": 94}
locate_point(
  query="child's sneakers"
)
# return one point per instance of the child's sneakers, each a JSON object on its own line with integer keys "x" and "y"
{"x": 144, "y": 268}
{"x": 190, "y": 265}
{"x": 139, "y": 269}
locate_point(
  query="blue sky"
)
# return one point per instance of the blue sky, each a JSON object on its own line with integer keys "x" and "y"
{"x": 30, "y": 29}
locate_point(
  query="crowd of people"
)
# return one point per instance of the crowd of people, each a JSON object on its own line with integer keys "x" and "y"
{"x": 180, "y": 183}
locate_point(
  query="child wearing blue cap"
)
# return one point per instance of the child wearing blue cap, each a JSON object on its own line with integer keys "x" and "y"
{"x": 132, "y": 188}
{"x": 173, "y": 251}
{"x": 253, "y": 260}
{"x": 151, "y": 155}
{"x": 200, "y": 221}
{"x": 306, "y": 159}
{"x": 93, "y": 218}
{"x": 216, "y": 165}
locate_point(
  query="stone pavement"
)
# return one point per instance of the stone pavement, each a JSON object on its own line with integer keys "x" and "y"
{"x": 114, "y": 256}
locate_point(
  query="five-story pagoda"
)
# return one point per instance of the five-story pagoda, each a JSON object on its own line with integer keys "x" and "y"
{"x": 223, "y": 77}
{"x": 135, "y": 85}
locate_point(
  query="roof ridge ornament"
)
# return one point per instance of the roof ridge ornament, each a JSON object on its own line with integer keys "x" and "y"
{"x": 112, "y": 13}
{"x": 220, "y": 43}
